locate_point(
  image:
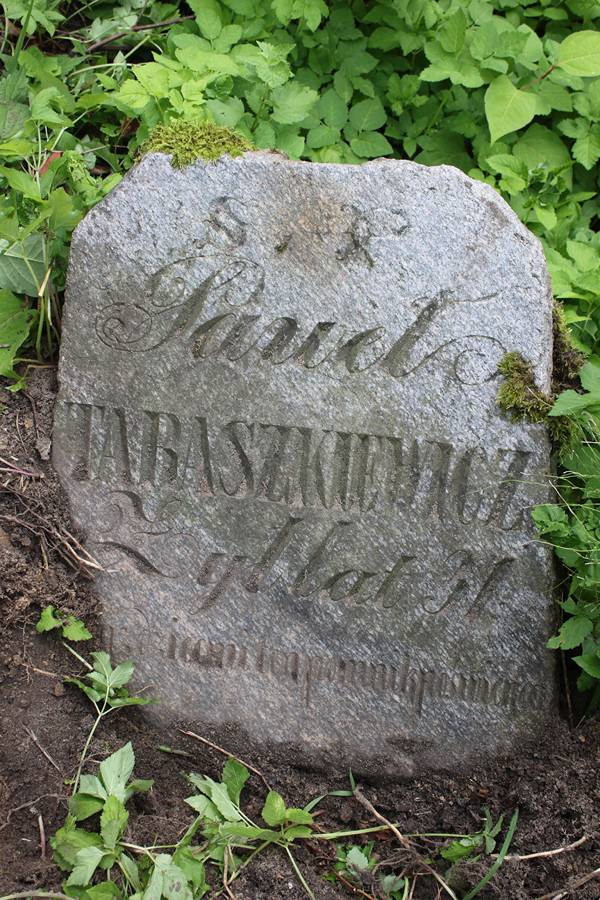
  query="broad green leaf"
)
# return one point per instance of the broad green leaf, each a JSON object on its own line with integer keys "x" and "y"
{"x": 116, "y": 770}
{"x": 47, "y": 620}
{"x": 590, "y": 663}
{"x": 298, "y": 816}
{"x": 235, "y": 775}
{"x": 87, "y": 861}
{"x": 507, "y": 108}
{"x": 21, "y": 182}
{"x": 75, "y": 630}
{"x": 121, "y": 674}
{"x": 332, "y": 109}
{"x": 251, "y": 832}
{"x": 292, "y": 103}
{"x": 367, "y": 115}
{"x": 370, "y": 144}
{"x": 208, "y": 17}
{"x": 541, "y": 146}
{"x": 590, "y": 376}
{"x": 68, "y": 840}
{"x": 571, "y": 402}
{"x": 113, "y": 821}
{"x": 572, "y": 633}
{"x": 220, "y": 797}
{"x": 15, "y": 322}
{"x": 192, "y": 868}
{"x": 579, "y": 53}
{"x": 204, "y": 807}
{"x": 273, "y": 811}
{"x": 356, "y": 859}
{"x": 82, "y": 806}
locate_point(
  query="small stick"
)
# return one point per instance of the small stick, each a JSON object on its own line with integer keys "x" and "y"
{"x": 7, "y": 466}
{"x": 515, "y": 857}
{"x": 41, "y": 749}
{"x": 369, "y": 806}
{"x": 226, "y": 753}
{"x": 352, "y": 887}
{"x": 120, "y": 34}
{"x": 42, "y": 836}
{"x": 24, "y": 806}
{"x": 573, "y": 886}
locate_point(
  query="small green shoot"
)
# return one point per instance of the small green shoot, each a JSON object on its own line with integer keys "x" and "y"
{"x": 72, "y": 629}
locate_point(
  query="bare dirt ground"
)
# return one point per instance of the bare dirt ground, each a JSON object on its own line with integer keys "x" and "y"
{"x": 43, "y": 725}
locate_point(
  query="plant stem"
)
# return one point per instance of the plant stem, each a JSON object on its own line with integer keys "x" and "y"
{"x": 301, "y": 878}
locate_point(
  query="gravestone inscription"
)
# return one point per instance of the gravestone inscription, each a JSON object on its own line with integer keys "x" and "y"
{"x": 277, "y": 427}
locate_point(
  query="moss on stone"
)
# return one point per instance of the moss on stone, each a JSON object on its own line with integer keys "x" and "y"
{"x": 189, "y": 140}
{"x": 567, "y": 359}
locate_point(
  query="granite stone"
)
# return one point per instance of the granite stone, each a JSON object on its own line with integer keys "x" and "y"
{"x": 277, "y": 427}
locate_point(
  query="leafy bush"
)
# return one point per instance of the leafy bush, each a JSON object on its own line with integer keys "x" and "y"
{"x": 507, "y": 90}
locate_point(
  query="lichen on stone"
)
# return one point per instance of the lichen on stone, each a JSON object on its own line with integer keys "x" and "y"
{"x": 187, "y": 140}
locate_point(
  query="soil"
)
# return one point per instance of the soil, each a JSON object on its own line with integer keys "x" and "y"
{"x": 43, "y": 725}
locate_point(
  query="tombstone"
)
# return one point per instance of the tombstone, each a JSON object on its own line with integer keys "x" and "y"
{"x": 277, "y": 427}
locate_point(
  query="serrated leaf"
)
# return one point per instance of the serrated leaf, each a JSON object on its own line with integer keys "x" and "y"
{"x": 572, "y": 633}
{"x": 370, "y": 144}
{"x": 332, "y": 109}
{"x": 204, "y": 807}
{"x": 570, "y": 402}
{"x": 507, "y": 108}
{"x": 235, "y": 775}
{"x": 22, "y": 265}
{"x": 113, "y": 821}
{"x": 579, "y": 53}
{"x": 116, "y": 770}
{"x": 68, "y": 840}
{"x": 590, "y": 663}
{"x": 47, "y": 621}
{"x": 357, "y": 860}
{"x": 292, "y": 102}
{"x": 75, "y": 630}
{"x": 368, "y": 115}
{"x": 87, "y": 861}
{"x": 273, "y": 812}
{"x": 82, "y": 806}
{"x": 208, "y": 17}
{"x": 298, "y": 816}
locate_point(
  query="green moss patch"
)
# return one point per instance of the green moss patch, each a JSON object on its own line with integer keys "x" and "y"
{"x": 187, "y": 141}
{"x": 519, "y": 395}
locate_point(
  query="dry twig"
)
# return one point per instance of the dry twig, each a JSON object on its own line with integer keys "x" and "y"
{"x": 226, "y": 753}
{"x": 42, "y": 831}
{"x": 573, "y": 886}
{"x": 42, "y": 749}
{"x": 515, "y": 857}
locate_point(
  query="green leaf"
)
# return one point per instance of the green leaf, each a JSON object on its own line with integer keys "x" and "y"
{"x": 507, "y": 108}
{"x": 75, "y": 630}
{"x": 82, "y": 806}
{"x": 87, "y": 861}
{"x": 192, "y": 868}
{"x": 292, "y": 102}
{"x": 370, "y": 144}
{"x": 208, "y": 17}
{"x": 22, "y": 265}
{"x": 332, "y": 109}
{"x": 116, "y": 770}
{"x": 298, "y": 816}
{"x": 68, "y": 840}
{"x": 273, "y": 811}
{"x": 220, "y": 797}
{"x": 590, "y": 663}
{"x": 47, "y": 620}
{"x": 204, "y": 807}
{"x": 357, "y": 860}
{"x": 235, "y": 775}
{"x": 572, "y": 633}
{"x": 113, "y": 821}
{"x": 570, "y": 402}
{"x": 367, "y": 115}
{"x": 579, "y": 53}
{"x": 15, "y": 322}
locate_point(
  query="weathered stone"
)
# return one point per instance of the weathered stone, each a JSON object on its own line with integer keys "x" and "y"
{"x": 277, "y": 427}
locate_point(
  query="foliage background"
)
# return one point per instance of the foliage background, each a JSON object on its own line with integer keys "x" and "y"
{"x": 506, "y": 90}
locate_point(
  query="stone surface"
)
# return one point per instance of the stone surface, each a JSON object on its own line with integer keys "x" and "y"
{"x": 277, "y": 428}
